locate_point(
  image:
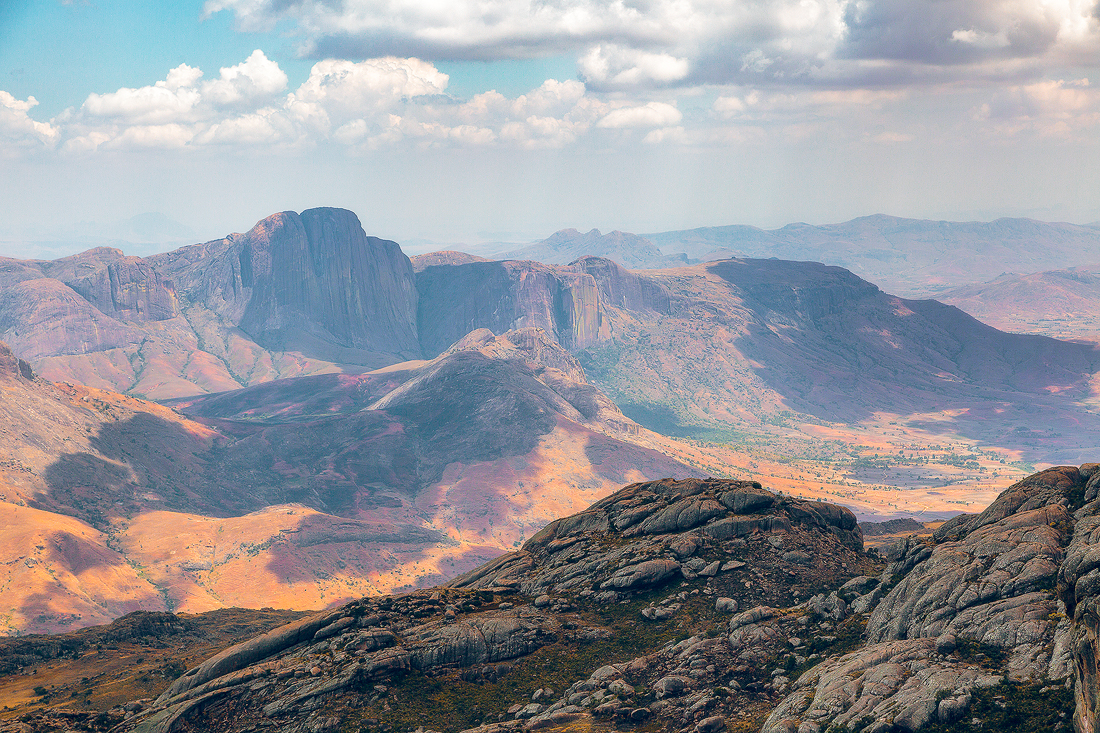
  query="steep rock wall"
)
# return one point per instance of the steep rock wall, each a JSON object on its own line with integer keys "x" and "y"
{"x": 503, "y": 296}
{"x": 313, "y": 282}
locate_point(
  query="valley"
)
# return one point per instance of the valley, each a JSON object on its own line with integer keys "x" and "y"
{"x": 294, "y": 480}
{"x": 335, "y": 420}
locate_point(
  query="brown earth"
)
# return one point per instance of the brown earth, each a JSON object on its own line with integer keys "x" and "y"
{"x": 298, "y": 494}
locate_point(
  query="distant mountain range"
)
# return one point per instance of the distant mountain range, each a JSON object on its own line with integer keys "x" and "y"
{"x": 629, "y": 250}
{"x": 905, "y": 256}
{"x": 910, "y": 257}
{"x": 735, "y": 342}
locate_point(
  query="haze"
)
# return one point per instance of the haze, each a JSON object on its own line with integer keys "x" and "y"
{"x": 509, "y": 119}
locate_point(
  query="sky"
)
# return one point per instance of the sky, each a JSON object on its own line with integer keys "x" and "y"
{"x": 479, "y": 120}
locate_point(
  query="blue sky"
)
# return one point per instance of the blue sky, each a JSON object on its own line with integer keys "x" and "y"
{"x": 473, "y": 120}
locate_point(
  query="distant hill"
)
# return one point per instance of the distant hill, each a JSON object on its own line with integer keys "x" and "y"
{"x": 1059, "y": 303}
{"x": 629, "y": 250}
{"x": 906, "y": 256}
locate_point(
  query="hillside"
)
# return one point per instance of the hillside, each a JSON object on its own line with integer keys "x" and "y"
{"x": 700, "y": 605}
{"x": 741, "y": 343}
{"x": 1058, "y": 303}
{"x": 300, "y": 493}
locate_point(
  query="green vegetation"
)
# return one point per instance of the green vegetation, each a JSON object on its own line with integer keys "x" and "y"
{"x": 1013, "y": 707}
{"x": 984, "y": 655}
{"x": 449, "y": 703}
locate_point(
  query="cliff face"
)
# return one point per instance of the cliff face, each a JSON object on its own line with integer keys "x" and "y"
{"x": 502, "y": 296}
{"x": 126, "y": 288}
{"x": 91, "y": 302}
{"x": 621, "y": 288}
{"x": 570, "y": 303}
{"x": 45, "y": 317}
{"x": 313, "y": 282}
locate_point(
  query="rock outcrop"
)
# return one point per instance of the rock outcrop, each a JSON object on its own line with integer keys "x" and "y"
{"x": 578, "y": 571}
{"x": 313, "y": 282}
{"x": 661, "y": 524}
{"x": 503, "y": 296}
{"x": 126, "y": 288}
{"x": 987, "y": 602}
{"x": 637, "y": 614}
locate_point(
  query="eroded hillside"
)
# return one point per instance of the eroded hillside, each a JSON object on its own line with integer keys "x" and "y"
{"x": 297, "y": 494}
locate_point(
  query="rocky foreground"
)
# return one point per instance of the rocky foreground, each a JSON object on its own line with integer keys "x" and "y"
{"x": 695, "y": 606}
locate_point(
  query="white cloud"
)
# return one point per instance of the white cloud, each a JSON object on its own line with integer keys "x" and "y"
{"x": 614, "y": 67}
{"x": 1049, "y": 108}
{"x": 728, "y": 107}
{"x": 154, "y": 136}
{"x": 17, "y": 129}
{"x": 651, "y": 114}
{"x": 257, "y": 79}
{"x": 173, "y": 99}
{"x": 369, "y": 104}
{"x": 345, "y": 89}
{"x": 666, "y": 134}
{"x": 661, "y": 43}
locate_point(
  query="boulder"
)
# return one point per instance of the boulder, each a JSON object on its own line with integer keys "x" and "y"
{"x": 642, "y": 575}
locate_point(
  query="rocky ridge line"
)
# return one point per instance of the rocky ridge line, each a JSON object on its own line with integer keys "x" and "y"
{"x": 699, "y": 606}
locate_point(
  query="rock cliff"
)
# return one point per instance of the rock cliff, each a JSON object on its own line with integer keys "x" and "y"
{"x": 502, "y": 296}
{"x": 311, "y": 282}
{"x": 571, "y": 303}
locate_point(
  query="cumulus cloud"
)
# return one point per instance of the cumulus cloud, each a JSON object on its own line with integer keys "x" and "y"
{"x": 367, "y": 104}
{"x": 652, "y": 114}
{"x": 172, "y": 99}
{"x": 17, "y": 129}
{"x": 661, "y": 43}
{"x": 347, "y": 89}
{"x": 181, "y": 96}
{"x": 609, "y": 66}
{"x": 256, "y": 79}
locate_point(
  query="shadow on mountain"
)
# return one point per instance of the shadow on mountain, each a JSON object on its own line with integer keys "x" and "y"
{"x": 615, "y": 461}
{"x": 660, "y": 419}
{"x": 319, "y": 542}
{"x": 323, "y": 530}
{"x": 837, "y": 348}
{"x": 86, "y": 486}
{"x": 470, "y": 408}
{"x": 467, "y": 408}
